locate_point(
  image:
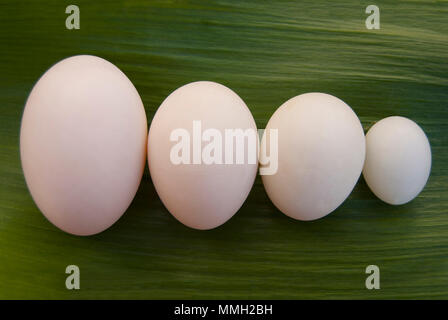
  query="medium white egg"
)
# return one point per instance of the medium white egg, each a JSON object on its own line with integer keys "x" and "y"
{"x": 398, "y": 160}
{"x": 83, "y": 144}
{"x": 200, "y": 182}
{"x": 321, "y": 149}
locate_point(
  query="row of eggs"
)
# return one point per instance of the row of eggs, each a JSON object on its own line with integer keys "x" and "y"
{"x": 84, "y": 142}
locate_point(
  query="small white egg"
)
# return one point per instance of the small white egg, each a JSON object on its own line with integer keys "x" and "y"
{"x": 83, "y": 144}
{"x": 196, "y": 185}
{"x": 321, "y": 149}
{"x": 398, "y": 160}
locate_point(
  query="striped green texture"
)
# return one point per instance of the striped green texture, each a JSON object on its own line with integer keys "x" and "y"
{"x": 268, "y": 52}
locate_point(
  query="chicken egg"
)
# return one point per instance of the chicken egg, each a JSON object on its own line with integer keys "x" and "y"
{"x": 83, "y": 144}
{"x": 321, "y": 149}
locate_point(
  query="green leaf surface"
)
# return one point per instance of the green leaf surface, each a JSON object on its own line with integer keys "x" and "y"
{"x": 268, "y": 52}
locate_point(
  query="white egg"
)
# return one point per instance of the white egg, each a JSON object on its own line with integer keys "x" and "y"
{"x": 321, "y": 149}
{"x": 398, "y": 160}
{"x": 196, "y": 185}
{"x": 83, "y": 144}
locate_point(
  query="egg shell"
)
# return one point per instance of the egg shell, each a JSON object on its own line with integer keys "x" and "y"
{"x": 398, "y": 160}
{"x": 83, "y": 144}
{"x": 201, "y": 196}
{"x": 321, "y": 150}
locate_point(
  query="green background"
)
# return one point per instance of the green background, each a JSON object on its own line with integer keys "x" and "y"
{"x": 268, "y": 52}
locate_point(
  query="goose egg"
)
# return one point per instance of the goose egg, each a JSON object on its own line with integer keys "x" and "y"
{"x": 83, "y": 144}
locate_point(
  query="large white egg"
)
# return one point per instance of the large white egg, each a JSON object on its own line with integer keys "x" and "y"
{"x": 201, "y": 193}
{"x": 398, "y": 160}
{"x": 83, "y": 144}
{"x": 321, "y": 149}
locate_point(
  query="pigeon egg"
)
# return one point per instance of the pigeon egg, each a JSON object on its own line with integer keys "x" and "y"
{"x": 398, "y": 160}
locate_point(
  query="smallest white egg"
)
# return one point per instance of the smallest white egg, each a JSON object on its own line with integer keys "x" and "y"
{"x": 398, "y": 160}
